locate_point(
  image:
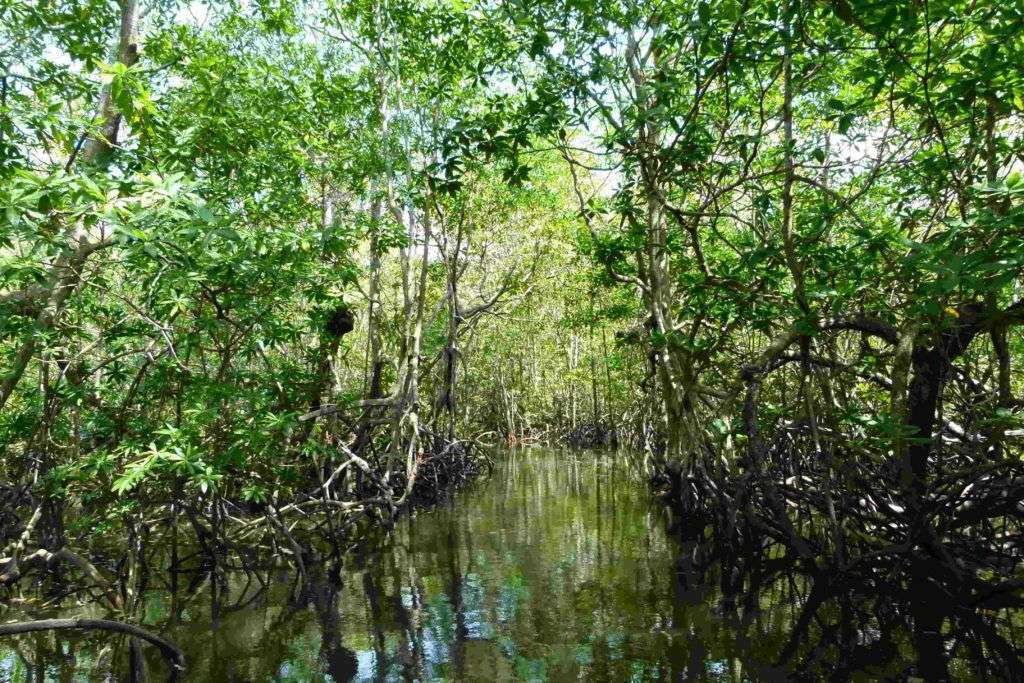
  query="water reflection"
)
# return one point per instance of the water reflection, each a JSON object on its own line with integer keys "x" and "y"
{"x": 559, "y": 567}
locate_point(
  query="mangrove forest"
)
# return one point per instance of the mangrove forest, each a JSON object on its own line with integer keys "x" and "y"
{"x": 495, "y": 340}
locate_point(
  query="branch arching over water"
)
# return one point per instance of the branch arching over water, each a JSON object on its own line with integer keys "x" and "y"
{"x": 174, "y": 656}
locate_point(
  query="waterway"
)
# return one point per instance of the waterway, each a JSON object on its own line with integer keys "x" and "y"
{"x": 557, "y": 566}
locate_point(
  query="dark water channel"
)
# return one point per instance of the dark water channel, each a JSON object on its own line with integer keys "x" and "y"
{"x": 557, "y": 567}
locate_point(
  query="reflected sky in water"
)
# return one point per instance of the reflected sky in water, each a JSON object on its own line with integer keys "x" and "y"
{"x": 557, "y": 567}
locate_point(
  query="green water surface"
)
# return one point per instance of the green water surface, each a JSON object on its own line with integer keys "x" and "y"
{"x": 556, "y": 567}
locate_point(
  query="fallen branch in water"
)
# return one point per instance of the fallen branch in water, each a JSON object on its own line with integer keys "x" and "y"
{"x": 171, "y": 652}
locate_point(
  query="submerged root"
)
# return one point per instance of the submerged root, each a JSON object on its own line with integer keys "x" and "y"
{"x": 943, "y": 569}
{"x": 591, "y": 435}
{"x": 335, "y": 505}
{"x": 449, "y": 466}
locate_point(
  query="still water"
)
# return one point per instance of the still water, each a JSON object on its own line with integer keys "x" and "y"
{"x": 557, "y": 567}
